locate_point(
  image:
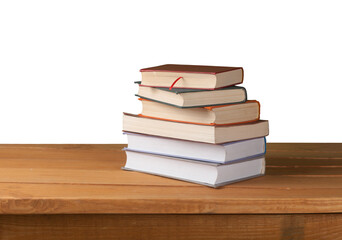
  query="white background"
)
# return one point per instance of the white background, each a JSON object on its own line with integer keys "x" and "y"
{"x": 67, "y": 67}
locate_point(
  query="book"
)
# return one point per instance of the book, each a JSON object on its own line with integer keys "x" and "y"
{"x": 213, "y": 115}
{"x": 191, "y": 76}
{"x": 194, "y": 132}
{"x": 217, "y": 153}
{"x": 187, "y": 98}
{"x": 209, "y": 174}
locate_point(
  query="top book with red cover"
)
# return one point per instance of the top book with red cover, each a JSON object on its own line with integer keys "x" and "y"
{"x": 191, "y": 76}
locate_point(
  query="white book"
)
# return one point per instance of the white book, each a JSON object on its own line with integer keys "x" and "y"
{"x": 209, "y": 174}
{"x": 217, "y": 153}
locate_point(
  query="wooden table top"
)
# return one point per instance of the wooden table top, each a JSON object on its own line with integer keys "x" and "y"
{"x": 53, "y": 179}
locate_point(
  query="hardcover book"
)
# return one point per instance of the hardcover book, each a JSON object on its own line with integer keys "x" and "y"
{"x": 209, "y": 174}
{"x": 216, "y": 153}
{"x": 194, "y": 132}
{"x": 213, "y": 115}
{"x": 191, "y": 76}
{"x": 187, "y": 98}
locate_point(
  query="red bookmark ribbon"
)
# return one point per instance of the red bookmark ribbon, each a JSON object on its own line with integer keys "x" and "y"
{"x": 170, "y": 88}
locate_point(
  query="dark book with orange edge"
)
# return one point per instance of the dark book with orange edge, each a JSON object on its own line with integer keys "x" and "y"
{"x": 212, "y": 115}
{"x": 191, "y": 76}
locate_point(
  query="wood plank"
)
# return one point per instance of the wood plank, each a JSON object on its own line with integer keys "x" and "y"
{"x": 63, "y": 151}
{"x": 263, "y": 227}
{"x": 305, "y": 147}
{"x": 275, "y": 177}
{"x": 303, "y": 161}
{"x": 305, "y": 170}
{"x": 84, "y": 198}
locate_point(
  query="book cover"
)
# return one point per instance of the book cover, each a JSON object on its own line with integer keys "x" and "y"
{"x": 189, "y": 69}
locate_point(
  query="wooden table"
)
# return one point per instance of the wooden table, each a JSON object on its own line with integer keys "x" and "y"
{"x": 80, "y": 192}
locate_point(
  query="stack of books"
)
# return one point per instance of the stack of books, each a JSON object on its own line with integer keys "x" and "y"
{"x": 196, "y": 125}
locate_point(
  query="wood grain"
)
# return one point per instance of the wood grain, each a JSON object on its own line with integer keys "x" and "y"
{"x": 54, "y": 179}
{"x": 196, "y": 227}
